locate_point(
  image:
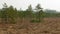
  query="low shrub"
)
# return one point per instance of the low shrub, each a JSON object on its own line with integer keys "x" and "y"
{"x": 35, "y": 21}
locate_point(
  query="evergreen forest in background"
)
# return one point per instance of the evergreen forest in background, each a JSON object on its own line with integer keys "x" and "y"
{"x": 35, "y": 15}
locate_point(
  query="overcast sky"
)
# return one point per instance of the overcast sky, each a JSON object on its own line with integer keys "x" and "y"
{"x": 46, "y": 4}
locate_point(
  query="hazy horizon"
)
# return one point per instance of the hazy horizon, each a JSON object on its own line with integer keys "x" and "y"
{"x": 46, "y": 4}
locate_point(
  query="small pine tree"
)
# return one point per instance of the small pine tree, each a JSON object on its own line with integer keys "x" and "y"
{"x": 39, "y": 12}
{"x": 29, "y": 11}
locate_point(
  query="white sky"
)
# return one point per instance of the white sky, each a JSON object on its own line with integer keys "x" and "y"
{"x": 46, "y": 4}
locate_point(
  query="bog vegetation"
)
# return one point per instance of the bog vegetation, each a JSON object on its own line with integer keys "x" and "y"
{"x": 10, "y": 14}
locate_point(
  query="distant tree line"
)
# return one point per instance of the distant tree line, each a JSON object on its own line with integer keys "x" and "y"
{"x": 7, "y": 13}
{"x": 51, "y": 13}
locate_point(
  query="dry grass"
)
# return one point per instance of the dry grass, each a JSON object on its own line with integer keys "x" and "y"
{"x": 48, "y": 26}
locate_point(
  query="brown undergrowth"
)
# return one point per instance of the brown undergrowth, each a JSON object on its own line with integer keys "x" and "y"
{"x": 48, "y": 26}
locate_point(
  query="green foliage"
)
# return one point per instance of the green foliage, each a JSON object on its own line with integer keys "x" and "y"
{"x": 39, "y": 14}
{"x": 10, "y": 13}
{"x": 35, "y": 21}
{"x": 29, "y": 11}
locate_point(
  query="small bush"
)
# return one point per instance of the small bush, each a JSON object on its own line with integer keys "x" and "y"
{"x": 35, "y": 21}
